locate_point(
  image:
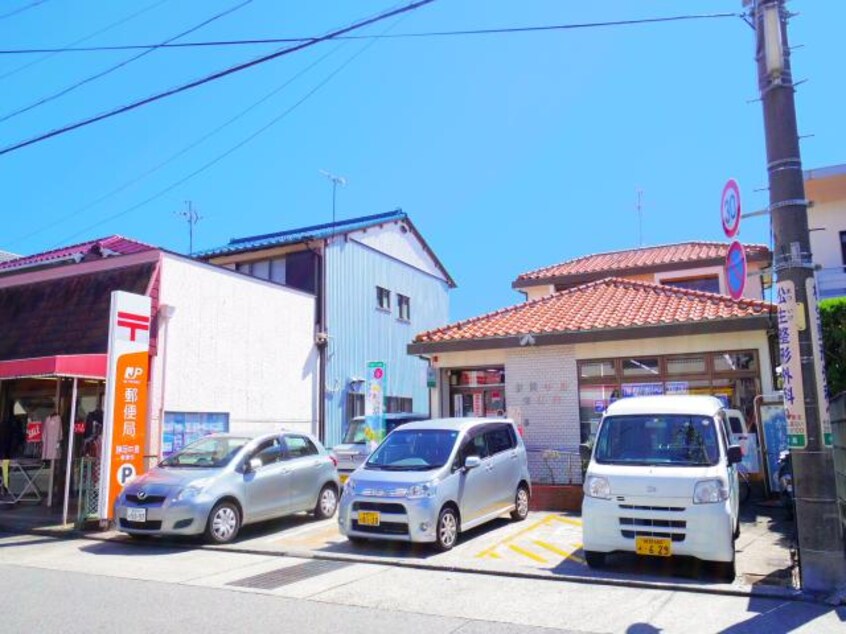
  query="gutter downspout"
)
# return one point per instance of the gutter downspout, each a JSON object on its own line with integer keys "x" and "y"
{"x": 322, "y": 345}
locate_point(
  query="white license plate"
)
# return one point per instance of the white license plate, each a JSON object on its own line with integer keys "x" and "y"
{"x": 136, "y": 515}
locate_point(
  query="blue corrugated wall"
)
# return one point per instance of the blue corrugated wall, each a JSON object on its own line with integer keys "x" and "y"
{"x": 359, "y": 332}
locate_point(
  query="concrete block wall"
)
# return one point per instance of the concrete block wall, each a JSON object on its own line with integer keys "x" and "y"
{"x": 541, "y": 390}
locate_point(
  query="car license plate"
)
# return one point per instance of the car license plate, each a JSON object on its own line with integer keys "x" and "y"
{"x": 654, "y": 546}
{"x": 136, "y": 515}
{"x": 343, "y": 477}
{"x": 368, "y": 518}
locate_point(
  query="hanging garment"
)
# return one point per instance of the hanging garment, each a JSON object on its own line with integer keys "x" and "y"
{"x": 51, "y": 437}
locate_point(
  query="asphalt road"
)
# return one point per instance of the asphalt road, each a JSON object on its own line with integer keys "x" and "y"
{"x": 62, "y": 585}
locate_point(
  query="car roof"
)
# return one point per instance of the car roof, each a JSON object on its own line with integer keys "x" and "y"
{"x": 452, "y": 424}
{"x": 666, "y": 404}
{"x": 399, "y": 416}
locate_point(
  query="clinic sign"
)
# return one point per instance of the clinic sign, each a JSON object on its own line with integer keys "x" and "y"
{"x": 125, "y": 408}
{"x": 790, "y": 321}
{"x": 819, "y": 360}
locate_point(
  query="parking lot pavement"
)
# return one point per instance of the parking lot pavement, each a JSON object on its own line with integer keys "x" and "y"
{"x": 545, "y": 544}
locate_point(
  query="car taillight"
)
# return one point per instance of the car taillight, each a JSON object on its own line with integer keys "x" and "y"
{"x": 333, "y": 459}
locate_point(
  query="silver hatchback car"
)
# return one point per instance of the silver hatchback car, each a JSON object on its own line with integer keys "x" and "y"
{"x": 428, "y": 481}
{"x": 223, "y": 481}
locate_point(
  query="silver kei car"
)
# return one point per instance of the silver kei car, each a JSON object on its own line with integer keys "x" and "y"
{"x": 223, "y": 481}
{"x": 430, "y": 480}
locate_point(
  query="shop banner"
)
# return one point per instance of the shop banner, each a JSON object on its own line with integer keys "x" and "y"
{"x": 34, "y": 431}
{"x": 789, "y": 315}
{"x": 819, "y": 356}
{"x": 374, "y": 403}
{"x": 125, "y": 410}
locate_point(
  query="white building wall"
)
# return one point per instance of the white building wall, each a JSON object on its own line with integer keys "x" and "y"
{"x": 397, "y": 241}
{"x": 233, "y": 344}
{"x": 827, "y": 219}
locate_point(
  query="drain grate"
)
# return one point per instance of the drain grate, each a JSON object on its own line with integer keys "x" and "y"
{"x": 290, "y": 574}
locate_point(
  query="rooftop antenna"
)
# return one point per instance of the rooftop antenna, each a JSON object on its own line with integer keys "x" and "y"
{"x": 639, "y": 206}
{"x": 336, "y": 180}
{"x": 192, "y": 217}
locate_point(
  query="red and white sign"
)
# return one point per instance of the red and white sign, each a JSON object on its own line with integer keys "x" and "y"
{"x": 34, "y": 431}
{"x": 730, "y": 208}
{"x": 125, "y": 410}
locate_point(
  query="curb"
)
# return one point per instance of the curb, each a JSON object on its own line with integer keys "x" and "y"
{"x": 773, "y": 592}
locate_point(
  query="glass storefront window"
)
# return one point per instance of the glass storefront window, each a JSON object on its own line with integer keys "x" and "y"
{"x": 686, "y": 365}
{"x": 641, "y": 389}
{"x": 593, "y": 400}
{"x": 697, "y": 386}
{"x": 645, "y": 366}
{"x": 475, "y": 378}
{"x": 735, "y": 362}
{"x": 596, "y": 369}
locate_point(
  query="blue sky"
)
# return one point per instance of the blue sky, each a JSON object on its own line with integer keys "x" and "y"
{"x": 509, "y": 152}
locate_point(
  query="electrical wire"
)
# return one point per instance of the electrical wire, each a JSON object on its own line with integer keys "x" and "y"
{"x": 85, "y": 38}
{"x": 214, "y": 76}
{"x": 119, "y": 65}
{"x": 281, "y": 40}
{"x": 227, "y": 152}
{"x": 26, "y": 7}
{"x": 110, "y": 194}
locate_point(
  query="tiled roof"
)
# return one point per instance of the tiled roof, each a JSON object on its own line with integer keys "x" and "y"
{"x": 644, "y": 259}
{"x": 611, "y": 303}
{"x": 69, "y": 315}
{"x": 111, "y": 245}
{"x": 293, "y": 236}
{"x": 6, "y": 255}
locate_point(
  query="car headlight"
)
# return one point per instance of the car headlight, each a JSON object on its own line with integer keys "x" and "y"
{"x": 418, "y": 491}
{"x": 349, "y": 487}
{"x": 710, "y": 492}
{"x": 188, "y": 493}
{"x": 597, "y": 487}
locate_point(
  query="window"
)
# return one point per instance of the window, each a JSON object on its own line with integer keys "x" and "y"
{"x": 394, "y": 404}
{"x": 499, "y": 439}
{"x": 708, "y": 284}
{"x": 355, "y": 405}
{"x": 686, "y": 365}
{"x": 843, "y": 248}
{"x": 473, "y": 446}
{"x": 269, "y": 452}
{"x": 659, "y": 439}
{"x": 301, "y": 271}
{"x": 596, "y": 369}
{"x": 300, "y": 447}
{"x": 735, "y": 362}
{"x": 383, "y": 298}
{"x": 277, "y": 270}
{"x": 641, "y": 367}
{"x": 404, "y": 305}
{"x": 261, "y": 269}
{"x": 243, "y": 267}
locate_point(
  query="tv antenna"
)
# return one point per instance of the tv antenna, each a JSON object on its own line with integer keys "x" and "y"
{"x": 192, "y": 217}
{"x": 336, "y": 180}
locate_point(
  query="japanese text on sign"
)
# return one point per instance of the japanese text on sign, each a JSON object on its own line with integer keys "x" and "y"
{"x": 791, "y": 365}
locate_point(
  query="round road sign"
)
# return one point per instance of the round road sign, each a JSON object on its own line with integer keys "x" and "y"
{"x": 730, "y": 208}
{"x": 736, "y": 270}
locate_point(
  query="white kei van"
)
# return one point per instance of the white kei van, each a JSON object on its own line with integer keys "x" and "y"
{"x": 662, "y": 481}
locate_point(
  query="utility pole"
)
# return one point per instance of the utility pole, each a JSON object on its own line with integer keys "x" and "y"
{"x": 192, "y": 217}
{"x": 336, "y": 180}
{"x": 821, "y": 548}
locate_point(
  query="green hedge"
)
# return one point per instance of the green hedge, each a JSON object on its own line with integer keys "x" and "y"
{"x": 833, "y": 315}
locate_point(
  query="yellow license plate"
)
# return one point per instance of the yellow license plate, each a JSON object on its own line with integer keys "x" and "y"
{"x": 343, "y": 477}
{"x": 654, "y": 546}
{"x": 368, "y": 518}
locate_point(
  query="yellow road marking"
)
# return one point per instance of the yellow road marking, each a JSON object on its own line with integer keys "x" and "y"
{"x": 511, "y": 538}
{"x": 566, "y": 520}
{"x": 551, "y": 548}
{"x": 527, "y": 553}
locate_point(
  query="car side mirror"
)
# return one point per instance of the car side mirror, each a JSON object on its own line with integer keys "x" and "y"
{"x": 585, "y": 451}
{"x": 735, "y": 455}
{"x": 471, "y": 462}
{"x": 254, "y": 464}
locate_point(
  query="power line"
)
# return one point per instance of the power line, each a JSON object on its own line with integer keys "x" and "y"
{"x": 214, "y": 76}
{"x": 283, "y": 40}
{"x": 119, "y": 65}
{"x": 26, "y": 7}
{"x": 85, "y": 38}
{"x": 71, "y": 215}
{"x": 226, "y": 153}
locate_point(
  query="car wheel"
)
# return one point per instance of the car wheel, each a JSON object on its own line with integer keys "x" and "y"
{"x": 594, "y": 559}
{"x": 327, "y": 503}
{"x": 726, "y": 570}
{"x": 446, "y": 532}
{"x": 224, "y": 523}
{"x": 521, "y": 504}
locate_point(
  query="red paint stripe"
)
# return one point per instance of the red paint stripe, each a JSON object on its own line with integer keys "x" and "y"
{"x": 142, "y": 318}
{"x": 134, "y": 325}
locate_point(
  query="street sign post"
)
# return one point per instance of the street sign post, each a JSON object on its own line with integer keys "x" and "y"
{"x": 735, "y": 270}
{"x": 730, "y": 208}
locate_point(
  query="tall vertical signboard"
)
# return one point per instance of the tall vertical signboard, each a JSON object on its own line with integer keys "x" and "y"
{"x": 374, "y": 402}
{"x": 790, "y": 318}
{"x": 819, "y": 366}
{"x": 125, "y": 408}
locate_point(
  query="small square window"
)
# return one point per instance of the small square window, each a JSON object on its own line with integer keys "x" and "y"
{"x": 404, "y": 306}
{"x": 383, "y": 298}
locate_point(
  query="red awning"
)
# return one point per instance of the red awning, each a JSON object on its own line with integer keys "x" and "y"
{"x": 85, "y": 366}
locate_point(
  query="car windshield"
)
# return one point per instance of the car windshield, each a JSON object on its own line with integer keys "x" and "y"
{"x": 413, "y": 450}
{"x": 658, "y": 439}
{"x": 212, "y": 452}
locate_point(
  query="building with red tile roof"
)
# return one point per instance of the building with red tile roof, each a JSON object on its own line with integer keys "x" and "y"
{"x": 109, "y": 246}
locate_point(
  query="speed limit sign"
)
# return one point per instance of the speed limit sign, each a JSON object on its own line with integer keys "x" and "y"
{"x": 730, "y": 208}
